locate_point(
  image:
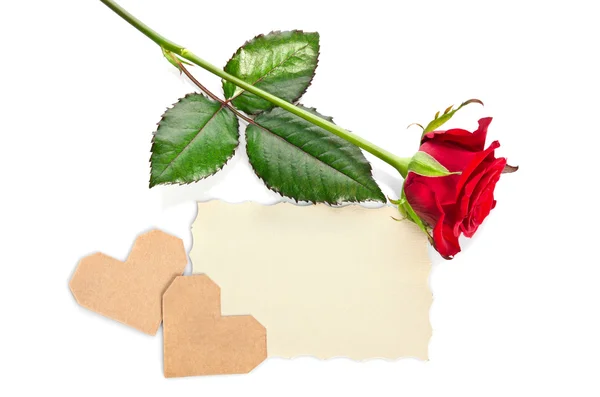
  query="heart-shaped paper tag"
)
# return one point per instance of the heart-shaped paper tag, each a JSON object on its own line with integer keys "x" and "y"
{"x": 198, "y": 340}
{"x": 131, "y": 291}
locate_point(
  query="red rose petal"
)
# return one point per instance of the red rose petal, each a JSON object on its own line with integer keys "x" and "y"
{"x": 479, "y": 158}
{"x": 464, "y": 196}
{"x": 454, "y": 158}
{"x": 425, "y": 203}
{"x": 445, "y": 241}
{"x": 482, "y": 198}
{"x": 421, "y": 198}
{"x": 474, "y": 142}
{"x": 489, "y": 180}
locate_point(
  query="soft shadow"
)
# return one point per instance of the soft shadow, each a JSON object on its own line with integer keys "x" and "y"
{"x": 392, "y": 181}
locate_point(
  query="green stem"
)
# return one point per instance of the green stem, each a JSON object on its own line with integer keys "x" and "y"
{"x": 401, "y": 164}
{"x": 213, "y": 96}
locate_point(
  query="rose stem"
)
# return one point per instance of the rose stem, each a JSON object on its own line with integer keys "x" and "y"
{"x": 401, "y": 164}
{"x": 214, "y": 97}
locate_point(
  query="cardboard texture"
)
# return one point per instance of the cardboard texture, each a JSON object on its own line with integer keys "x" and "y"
{"x": 131, "y": 291}
{"x": 198, "y": 341}
{"x": 324, "y": 281}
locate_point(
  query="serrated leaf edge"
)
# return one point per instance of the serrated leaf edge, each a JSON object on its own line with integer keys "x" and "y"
{"x": 230, "y": 100}
{"x": 156, "y": 130}
{"x": 276, "y": 190}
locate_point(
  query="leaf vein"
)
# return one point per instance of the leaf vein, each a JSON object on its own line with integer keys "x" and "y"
{"x": 290, "y": 56}
{"x": 170, "y": 163}
{"x": 369, "y": 188}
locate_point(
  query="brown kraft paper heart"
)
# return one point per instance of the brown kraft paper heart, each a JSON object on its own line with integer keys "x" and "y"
{"x": 198, "y": 340}
{"x": 131, "y": 291}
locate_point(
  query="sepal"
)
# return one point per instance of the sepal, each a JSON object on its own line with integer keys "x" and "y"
{"x": 423, "y": 163}
{"x": 440, "y": 120}
{"x": 174, "y": 59}
{"x": 407, "y": 212}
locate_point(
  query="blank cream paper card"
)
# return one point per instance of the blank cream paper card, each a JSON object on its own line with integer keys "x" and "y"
{"x": 324, "y": 281}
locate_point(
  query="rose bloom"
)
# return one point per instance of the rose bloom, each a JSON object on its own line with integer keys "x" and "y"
{"x": 455, "y": 204}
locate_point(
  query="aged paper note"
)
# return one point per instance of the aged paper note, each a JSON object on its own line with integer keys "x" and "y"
{"x": 325, "y": 282}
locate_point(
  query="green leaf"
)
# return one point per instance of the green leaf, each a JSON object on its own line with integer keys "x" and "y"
{"x": 281, "y": 63}
{"x": 438, "y": 120}
{"x": 194, "y": 139}
{"x": 424, "y": 164}
{"x": 307, "y": 163}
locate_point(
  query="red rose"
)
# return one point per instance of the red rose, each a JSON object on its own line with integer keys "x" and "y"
{"x": 455, "y": 204}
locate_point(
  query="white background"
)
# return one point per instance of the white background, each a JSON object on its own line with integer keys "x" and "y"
{"x": 516, "y": 313}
